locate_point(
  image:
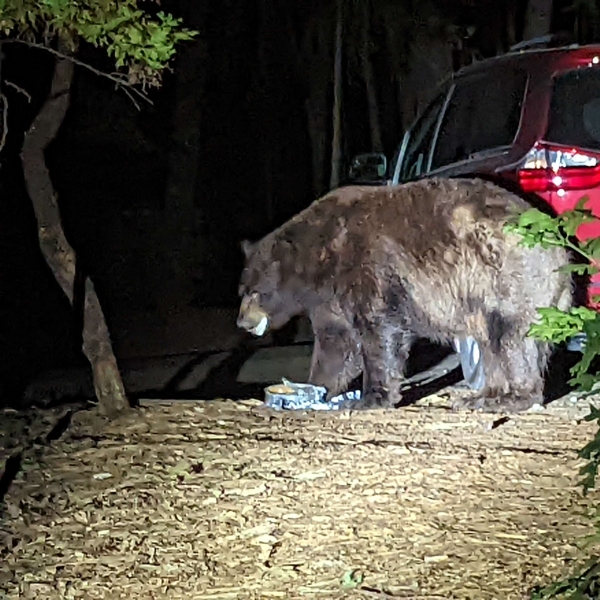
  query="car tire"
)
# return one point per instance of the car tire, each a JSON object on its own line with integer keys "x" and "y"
{"x": 471, "y": 362}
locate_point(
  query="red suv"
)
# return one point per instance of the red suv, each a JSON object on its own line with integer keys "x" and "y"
{"x": 530, "y": 117}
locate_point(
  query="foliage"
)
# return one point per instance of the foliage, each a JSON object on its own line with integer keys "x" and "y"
{"x": 351, "y": 579}
{"x": 583, "y": 586}
{"x": 142, "y": 45}
{"x": 537, "y": 227}
{"x": 557, "y": 326}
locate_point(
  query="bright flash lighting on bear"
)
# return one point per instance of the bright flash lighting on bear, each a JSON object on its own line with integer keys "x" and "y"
{"x": 260, "y": 329}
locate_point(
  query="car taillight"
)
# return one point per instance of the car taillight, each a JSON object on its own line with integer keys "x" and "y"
{"x": 558, "y": 169}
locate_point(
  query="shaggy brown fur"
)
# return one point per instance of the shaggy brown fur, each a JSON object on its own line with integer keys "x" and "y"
{"x": 376, "y": 267}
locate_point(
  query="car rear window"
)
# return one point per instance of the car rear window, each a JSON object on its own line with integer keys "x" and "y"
{"x": 575, "y": 109}
{"x": 483, "y": 114}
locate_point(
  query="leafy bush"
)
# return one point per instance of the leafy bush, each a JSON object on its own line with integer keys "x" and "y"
{"x": 140, "y": 43}
{"x": 558, "y": 326}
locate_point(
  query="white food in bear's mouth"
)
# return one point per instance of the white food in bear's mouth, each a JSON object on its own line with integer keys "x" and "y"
{"x": 261, "y": 327}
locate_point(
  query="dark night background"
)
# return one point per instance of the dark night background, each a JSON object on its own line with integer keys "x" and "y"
{"x": 238, "y": 139}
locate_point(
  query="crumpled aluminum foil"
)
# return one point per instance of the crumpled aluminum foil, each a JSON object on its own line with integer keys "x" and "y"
{"x": 305, "y": 396}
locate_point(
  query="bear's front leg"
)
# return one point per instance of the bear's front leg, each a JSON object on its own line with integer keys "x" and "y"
{"x": 385, "y": 350}
{"x": 336, "y": 358}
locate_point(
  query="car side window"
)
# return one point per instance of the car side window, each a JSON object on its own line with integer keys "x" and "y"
{"x": 574, "y": 118}
{"x": 483, "y": 114}
{"x": 420, "y": 137}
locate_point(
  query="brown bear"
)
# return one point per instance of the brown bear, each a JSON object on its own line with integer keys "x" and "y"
{"x": 375, "y": 267}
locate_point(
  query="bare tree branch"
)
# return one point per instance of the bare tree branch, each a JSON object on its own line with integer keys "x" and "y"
{"x": 128, "y": 93}
{"x": 119, "y": 79}
{"x": 19, "y": 89}
{"x": 4, "y": 101}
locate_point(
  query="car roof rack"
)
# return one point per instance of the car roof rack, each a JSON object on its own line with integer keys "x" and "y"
{"x": 551, "y": 40}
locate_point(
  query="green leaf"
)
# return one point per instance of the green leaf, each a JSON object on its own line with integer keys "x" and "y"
{"x": 141, "y": 44}
{"x": 352, "y": 579}
{"x": 532, "y": 216}
{"x": 592, "y": 247}
{"x": 594, "y": 414}
{"x": 558, "y": 326}
{"x": 572, "y": 220}
{"x": 582, "y": 202}
{"x": 579, "y": 269}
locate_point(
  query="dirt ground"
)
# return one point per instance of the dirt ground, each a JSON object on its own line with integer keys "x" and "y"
{"x": 223, "y": 499}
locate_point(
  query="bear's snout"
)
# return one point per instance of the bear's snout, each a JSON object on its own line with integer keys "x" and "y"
{"x": 252, "y": 317}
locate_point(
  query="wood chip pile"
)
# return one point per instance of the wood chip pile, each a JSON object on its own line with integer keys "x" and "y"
{"x": 227, "y": 499}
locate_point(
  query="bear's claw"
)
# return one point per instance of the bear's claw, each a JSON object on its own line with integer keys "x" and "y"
{"x": 500, "y": 403}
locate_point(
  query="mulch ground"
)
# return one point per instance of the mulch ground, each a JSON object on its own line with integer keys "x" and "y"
{"x": 223, "y": 499}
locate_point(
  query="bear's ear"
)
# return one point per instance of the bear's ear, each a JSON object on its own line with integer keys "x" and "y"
{"x": 247, "y": 248}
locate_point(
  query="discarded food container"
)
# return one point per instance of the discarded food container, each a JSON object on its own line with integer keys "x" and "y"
{"x": 305, "y": 396}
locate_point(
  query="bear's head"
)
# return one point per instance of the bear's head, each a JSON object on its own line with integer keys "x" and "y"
{"x": 265, "y": 302}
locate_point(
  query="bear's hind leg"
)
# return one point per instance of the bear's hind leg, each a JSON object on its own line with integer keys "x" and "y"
{"x": 385, "y": 350}
{"x": 514, "y": 368}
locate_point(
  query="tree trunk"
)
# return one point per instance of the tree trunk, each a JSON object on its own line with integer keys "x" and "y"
{"x": 55, "y": 248}
{"x": 336, "y": 150}
{"x": 314, "y": 62}
{"x": 430, "y": 62}
{"x": 538, "y": 19}
{"x": 316, "y": 114}
{"x": 395, "y": 51}
{"x": 369, "y": 78}
{"x": 263, "y": 82}
{"x": 269, "y": 184}
{"x": 511, "y": 25}
{"x": 180, "y": 189}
